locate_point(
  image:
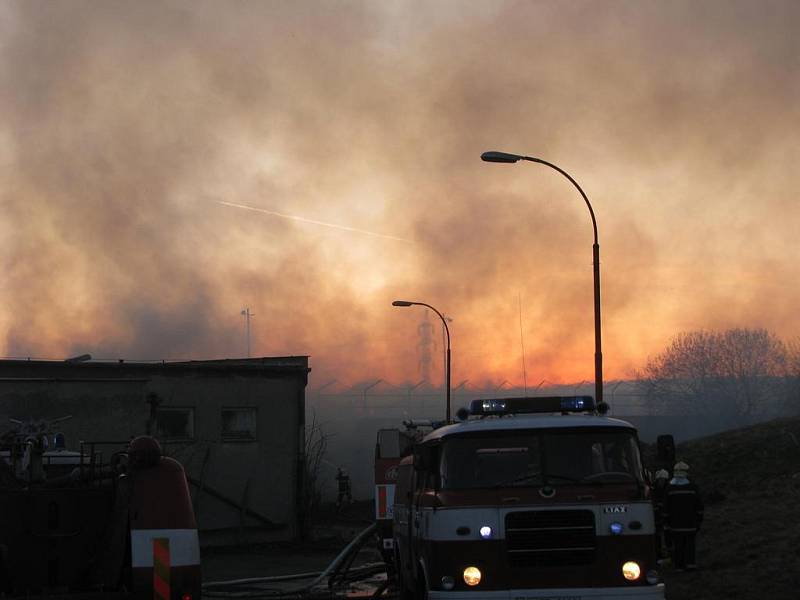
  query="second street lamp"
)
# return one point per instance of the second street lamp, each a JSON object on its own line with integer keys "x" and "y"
{"x": 447, "y": 331}
{"x": 505, "y": 157}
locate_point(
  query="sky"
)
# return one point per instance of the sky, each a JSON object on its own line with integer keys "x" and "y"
{"x": 164, "y": 165}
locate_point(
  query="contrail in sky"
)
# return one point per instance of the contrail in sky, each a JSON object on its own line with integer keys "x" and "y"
{"x": 313, "y": 222}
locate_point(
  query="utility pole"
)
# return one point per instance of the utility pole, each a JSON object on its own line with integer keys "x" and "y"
{"x": 444, "y": 349}
{"x": 247, "y": 314}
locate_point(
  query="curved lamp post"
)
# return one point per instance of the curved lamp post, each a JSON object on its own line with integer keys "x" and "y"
{"x": 504, "y": 157}
{"x": 447, "y": 330}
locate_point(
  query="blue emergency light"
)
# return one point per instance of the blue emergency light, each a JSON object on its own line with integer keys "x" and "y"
{"x": 544, "y": 404}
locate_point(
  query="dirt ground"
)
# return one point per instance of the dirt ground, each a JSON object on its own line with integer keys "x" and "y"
{"x": 331, "y": 533}
{"x": 264, "y": 561}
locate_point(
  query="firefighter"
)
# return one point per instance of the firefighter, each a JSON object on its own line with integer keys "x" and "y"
{"x": 659, "y": 497}
{"x": 344, "y": 486}
{"x": 683, "y": 514}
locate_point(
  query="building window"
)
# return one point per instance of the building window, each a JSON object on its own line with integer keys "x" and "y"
{"x": 239, "y": 424}
{"x": 175, "y": 424}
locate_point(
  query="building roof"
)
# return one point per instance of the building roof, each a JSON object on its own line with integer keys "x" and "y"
{"x": 18, "y": 369}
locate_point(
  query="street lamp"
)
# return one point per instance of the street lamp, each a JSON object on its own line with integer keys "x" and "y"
{"x": 447, "y": 331}
{"x": 505, "y": 157}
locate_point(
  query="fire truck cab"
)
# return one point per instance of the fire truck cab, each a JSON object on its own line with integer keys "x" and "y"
{"x": 526, "y": 498}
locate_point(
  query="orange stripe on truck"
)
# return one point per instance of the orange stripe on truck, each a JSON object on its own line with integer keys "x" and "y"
{"x": 161, "y": 566}
{"x": 381, "y": 501}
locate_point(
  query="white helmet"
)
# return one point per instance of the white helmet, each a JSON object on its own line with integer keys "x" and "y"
{"x": 680, "y": 469}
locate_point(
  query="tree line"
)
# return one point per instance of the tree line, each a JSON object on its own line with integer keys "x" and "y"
{"x": 739, "y": 375}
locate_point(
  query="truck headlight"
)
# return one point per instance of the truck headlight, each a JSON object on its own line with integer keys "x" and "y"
{"x": 631, "y": 571}
{"x": 472, "y": 576}
{"x": 448, "y": 583}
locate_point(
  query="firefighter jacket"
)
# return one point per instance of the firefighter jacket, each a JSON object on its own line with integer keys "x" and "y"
{"x": 659, "y": 496}
{"x": 683, "y": 507}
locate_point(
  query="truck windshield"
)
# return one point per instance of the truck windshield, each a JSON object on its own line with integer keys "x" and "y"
{"x": 533, "y": 458}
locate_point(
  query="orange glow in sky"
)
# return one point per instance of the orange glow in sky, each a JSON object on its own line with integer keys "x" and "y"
{"x": 131, "y": 136}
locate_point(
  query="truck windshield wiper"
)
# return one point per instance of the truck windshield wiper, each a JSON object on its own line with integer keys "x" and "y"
{"x": 570, "y": 478}
{"x": 518, "y": 479}
{"x": 609, "y": 477}
{"x": 548, "y": 477}
{"x": 594, "y": 479}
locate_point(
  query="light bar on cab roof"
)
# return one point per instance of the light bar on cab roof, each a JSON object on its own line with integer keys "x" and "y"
{"x": 545, "y": 404}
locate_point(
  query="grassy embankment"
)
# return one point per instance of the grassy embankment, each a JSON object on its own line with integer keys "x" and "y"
{"x": 749, "y": 546}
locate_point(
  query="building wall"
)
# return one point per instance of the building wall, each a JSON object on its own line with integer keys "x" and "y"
{"x": 265, "y": 468}
{"x": 110, "y": 403}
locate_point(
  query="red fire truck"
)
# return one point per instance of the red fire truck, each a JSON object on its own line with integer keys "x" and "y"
{"x": 113, "y": 520}
{"x": 526, "y": 498}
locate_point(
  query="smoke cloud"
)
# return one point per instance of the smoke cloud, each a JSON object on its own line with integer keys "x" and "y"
{"x": 125, "y": 128}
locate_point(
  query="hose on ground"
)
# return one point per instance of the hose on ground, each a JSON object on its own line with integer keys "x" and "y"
{"x": 381, "y": 588}
{"x": 338, "y": 576}
{"x": 211, "y": 589}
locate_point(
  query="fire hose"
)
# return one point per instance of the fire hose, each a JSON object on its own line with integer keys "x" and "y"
{"x": 339, "y": 572}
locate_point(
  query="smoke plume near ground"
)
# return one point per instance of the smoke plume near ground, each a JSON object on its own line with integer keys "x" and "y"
{"x": 123, "y": 126}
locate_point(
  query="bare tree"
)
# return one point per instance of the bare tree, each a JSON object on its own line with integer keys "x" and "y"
{"x": 738, "y": 373}
{"x": 793, "y": 370}
{"x": 316, "y": 445}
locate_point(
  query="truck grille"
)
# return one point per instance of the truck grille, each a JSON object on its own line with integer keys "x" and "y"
{"x": 550, "y": 538}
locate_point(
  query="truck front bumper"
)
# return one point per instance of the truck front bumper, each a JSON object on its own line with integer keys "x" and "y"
{"x": 640, "y": 592}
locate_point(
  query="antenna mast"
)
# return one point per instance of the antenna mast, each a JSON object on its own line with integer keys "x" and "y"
{"x": 522, "y": 344}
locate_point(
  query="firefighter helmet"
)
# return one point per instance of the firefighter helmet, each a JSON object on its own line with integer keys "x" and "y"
{"x": 680, "y": 469}
{"x": 144, "y": 451}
